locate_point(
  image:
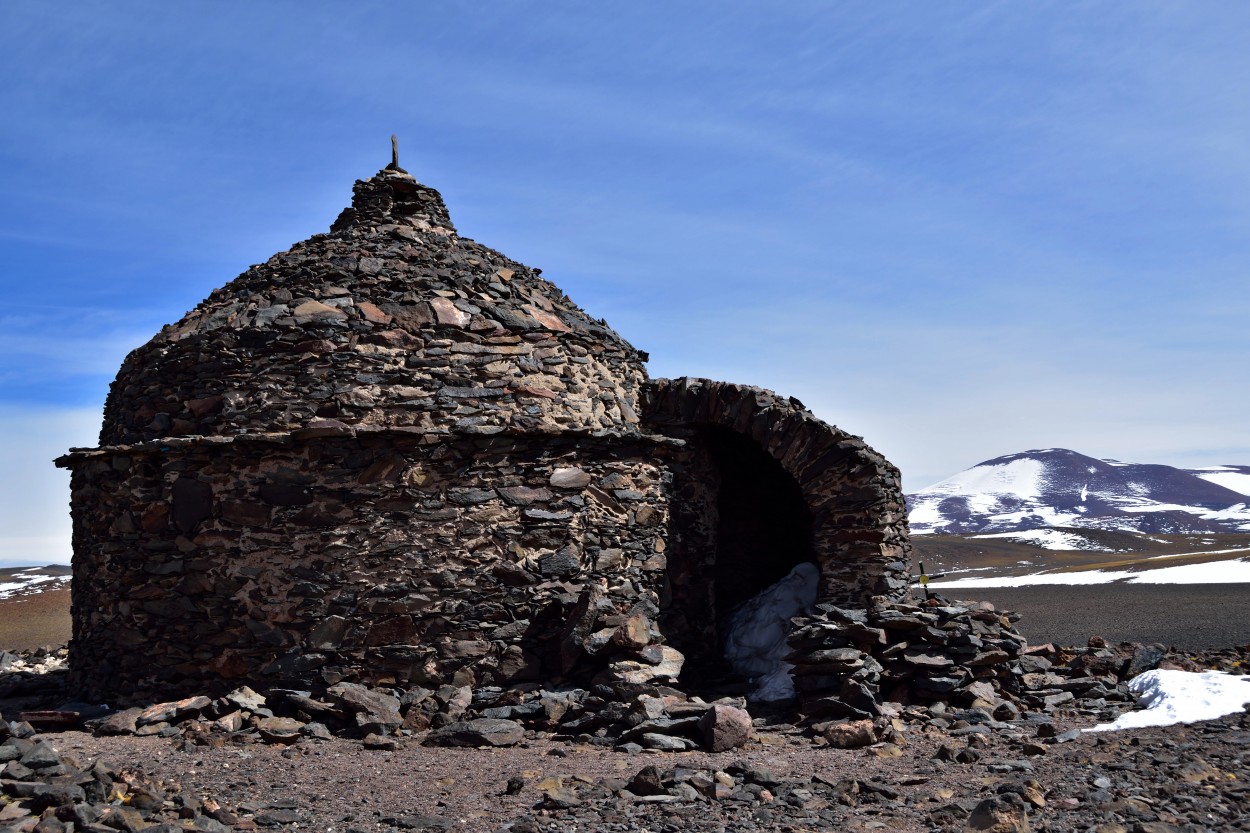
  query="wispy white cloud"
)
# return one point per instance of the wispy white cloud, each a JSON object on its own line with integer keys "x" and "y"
{"x": 65, "y": 356}
{"x": 963, "y": 231}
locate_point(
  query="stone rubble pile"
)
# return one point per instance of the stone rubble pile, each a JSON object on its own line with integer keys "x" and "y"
{"x": 848, "y": 663}
{"x": 741, "y": 796}
{"x": 42, "y": 791}
{"x": 982, "y": 778}
{"x": 893, "y": 665}
{"x": 33, "y": 673}
{"x": 632, "y": 718}
{"x": 738, "y": 788}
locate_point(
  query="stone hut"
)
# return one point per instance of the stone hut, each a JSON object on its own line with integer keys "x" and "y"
{"x": 393, "y": 456}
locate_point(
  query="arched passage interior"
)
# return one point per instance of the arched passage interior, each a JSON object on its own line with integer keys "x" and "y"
{"x": 749, "y": 527}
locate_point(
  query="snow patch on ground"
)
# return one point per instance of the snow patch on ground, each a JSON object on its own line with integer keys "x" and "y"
{"x": 1235, "y": 571}
{"x": 1173, "y": 697}
{"x": 1229, "y": 479}
{"x": 1049, "y": 539}
{"x": 1018, "y": 478}
{"x": 967, "y": 570}
{"x": 26, "y": 584}
{"x": 755, "y": 640}
{"x": 925, "y": 514}
{"x": 1199, "y": 552}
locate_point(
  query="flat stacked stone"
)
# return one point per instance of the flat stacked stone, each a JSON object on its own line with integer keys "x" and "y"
{"x": 391, "y": 456}
{"x": 847, "y": 661}
{"x": 391, "y": 319}
{"x": 387, "y": 455}
{"x": 854, "y": 495}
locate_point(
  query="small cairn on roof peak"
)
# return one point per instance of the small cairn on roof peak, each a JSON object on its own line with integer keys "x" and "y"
{"x": 393, "y": 196}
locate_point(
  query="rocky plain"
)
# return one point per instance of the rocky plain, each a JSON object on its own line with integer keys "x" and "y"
{"x": 1009, "y": 755}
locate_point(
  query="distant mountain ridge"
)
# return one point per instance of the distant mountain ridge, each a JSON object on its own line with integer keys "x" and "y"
{"x": 1058, "y": 488}
{"x": 18, "y": 582}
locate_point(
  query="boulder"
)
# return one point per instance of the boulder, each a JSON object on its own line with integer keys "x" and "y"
{"x": 1000, "y": 814}
{"x": 245, "y": 698}
{"x": 852, "y": 734}
{"x": 665, "y": 668}
{"x": 724, "y": 727}
{"x": 374, "y": 710}
{"x": 483, "y": 731}
{"x": 283, "y": 730}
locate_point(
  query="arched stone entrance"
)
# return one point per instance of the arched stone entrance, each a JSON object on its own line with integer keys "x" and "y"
{"x": 766, "y": 485}
{"x": 764, "y": 528}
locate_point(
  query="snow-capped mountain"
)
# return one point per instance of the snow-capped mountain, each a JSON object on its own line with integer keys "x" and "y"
{"x": 1054, "y": 488}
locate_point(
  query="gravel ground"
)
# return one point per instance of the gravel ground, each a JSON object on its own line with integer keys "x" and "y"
{"x": 30, "y": 621}
{"x": 1186, "y": 616}
{"x": 1186, "y": 778}
{"x": 938, "y": 775}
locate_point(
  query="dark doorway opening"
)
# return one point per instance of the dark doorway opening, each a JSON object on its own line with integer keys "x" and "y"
{"x": 764, "y": 527}
{"x": 743, "y": 526}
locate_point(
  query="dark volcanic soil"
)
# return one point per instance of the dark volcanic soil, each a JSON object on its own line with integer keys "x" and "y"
{"x": 1186, "y": 616}
{"x": 939, "y": 775}
{"x": 34, "y": 620}
{"x": 1184, "y": 778}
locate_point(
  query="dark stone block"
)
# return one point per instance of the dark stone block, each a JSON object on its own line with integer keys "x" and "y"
{"x": 192, "y": 503}
{"x": 294, "y": 664}
{"x": 398, "y": 629}
{"x": 470, "y": 497}
{"x": 245, "y": 513}
{"x": 562, "y": 563}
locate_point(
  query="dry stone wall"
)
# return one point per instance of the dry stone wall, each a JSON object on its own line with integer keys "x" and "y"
{"x": 855, "y": 496}
{"x": 393, "y": 456}
{"x": 375, "y": 556}
{"x": 392, "y": 319}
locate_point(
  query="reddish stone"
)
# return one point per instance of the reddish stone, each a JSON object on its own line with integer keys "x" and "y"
{"x": 547, "y": 319}
{"x": 724, "y": 728}
{"x": 372, "y": 313}
{"x": 448, "y": 315}
{"x": 205, "y": 406}
{"x": 850, "y": 735}
{"x": 397, "y": 630}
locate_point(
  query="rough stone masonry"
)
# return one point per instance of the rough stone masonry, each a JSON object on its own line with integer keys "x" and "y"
{"x": 392, "y": 456}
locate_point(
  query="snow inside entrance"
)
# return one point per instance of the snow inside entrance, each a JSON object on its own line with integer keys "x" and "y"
{"x": 755, "y": 633}
{"x": 742, "y": 525}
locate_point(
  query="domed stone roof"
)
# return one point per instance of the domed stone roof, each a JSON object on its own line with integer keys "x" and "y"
{"x": 392, "y": 319}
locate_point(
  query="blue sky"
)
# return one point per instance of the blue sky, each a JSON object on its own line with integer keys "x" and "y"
{"x": 960, "y": 229}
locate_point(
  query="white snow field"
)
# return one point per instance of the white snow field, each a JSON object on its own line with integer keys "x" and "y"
{"x": 1233, "y": 571}
{"x": 756, "y": 633}
{"x": 1173, "y": 697}
{"x": 1226, "y": 476}
{"x": 1049, "y": 539}
{"x": 26, "y": 581}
